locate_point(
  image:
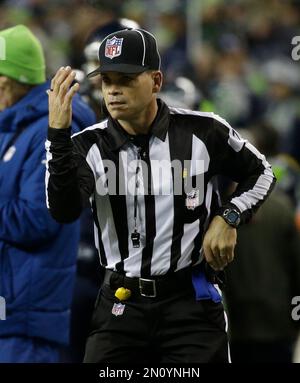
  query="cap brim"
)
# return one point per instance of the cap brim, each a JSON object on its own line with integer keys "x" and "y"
{"x": 122, "y": 68}
{"x": 94, "y": 73}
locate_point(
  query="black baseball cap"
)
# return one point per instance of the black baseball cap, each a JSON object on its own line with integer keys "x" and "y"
{"x": 128, "y": 51}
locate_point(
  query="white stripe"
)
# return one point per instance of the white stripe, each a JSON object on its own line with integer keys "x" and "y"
{"x": 104, "y": 210}
{"x": 96, "y": 239}
{"x": 221, "y": 120}
{"x": 216, "y": 286}
{"x": 258, "y": 155}
{"x": 108, "y": 230}
{"x": 250, "y": 198}
{"x": 190, "y": 112}
{"x": 190, "y": 231}
{"x": 101, "y": 125}
{"x": 156, "y": 45}
{"x": 208, "y": 202}
{"x": 200, "y": 158}
{"x": 47, "y": 174}
{"x": 94, "y": 160}
{"x": 162, "y": 181}
{"x": 200, "y": 114}
{"x": 144, "y": 45}
{"x": 226, "y": 329}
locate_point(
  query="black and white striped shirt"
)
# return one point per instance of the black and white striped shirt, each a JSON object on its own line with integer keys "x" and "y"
{"x": 171, "y": 224}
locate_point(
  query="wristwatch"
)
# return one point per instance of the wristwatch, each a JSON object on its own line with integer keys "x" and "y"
{"x": 231, "y": 216}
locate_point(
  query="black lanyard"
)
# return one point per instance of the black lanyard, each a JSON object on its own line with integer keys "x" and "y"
{"x": 140, "y": 142}
{"x": 135, "y": 236}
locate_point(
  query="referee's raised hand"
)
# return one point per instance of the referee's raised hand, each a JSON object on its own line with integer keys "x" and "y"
{"x": 60, "y": 98}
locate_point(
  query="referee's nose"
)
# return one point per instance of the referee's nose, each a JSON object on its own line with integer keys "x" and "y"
{"x": 114, "y": 90}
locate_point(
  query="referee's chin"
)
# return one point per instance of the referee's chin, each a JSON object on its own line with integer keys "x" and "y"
{"x": 118, "y": 115}
{"x": 118, "y": 111}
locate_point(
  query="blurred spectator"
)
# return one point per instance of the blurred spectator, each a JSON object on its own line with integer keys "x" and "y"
{"x": 286, "y": 169}
{"x": 231, "y": 94}
{"x": 181, "y": 93}
{"x": 291, "y": 155}
{"x": 262, "y": 282}
{"x": 175, "y": 60}
{"x": 37, "y": 255}
{"x": 270, "y": 26}
{"x": 284, "y": 164}
{"x": 85, "y": 18}
{"x": 292, "y": 142}
{"x": 283, "y": 102}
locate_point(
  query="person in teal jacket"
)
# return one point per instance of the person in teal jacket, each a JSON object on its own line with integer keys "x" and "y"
{"x": 37, "y": 255}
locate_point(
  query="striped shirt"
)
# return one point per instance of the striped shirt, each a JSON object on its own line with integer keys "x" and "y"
{"x": 162, "y": 186}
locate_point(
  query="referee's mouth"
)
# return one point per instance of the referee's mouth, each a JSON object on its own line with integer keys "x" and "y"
{"x": 116, "y": 104}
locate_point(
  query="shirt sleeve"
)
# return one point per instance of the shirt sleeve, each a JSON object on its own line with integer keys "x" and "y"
{"x": 69, "y": 179}
{"x": 236, "y": 158}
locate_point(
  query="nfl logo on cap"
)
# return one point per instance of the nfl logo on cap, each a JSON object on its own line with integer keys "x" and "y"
{"x": 113, "y": 47}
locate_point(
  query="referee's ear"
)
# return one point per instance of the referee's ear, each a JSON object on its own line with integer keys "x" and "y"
{"x": 157, "y": 77}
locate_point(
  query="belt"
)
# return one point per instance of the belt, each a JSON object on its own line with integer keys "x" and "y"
{"x": 153, "y": 287}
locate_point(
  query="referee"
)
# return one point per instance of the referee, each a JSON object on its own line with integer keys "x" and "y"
{"x": 148, "y": 172}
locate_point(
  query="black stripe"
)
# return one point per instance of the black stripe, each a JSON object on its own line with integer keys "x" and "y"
{"x": 119, "y": 211}
{"x": 102, "y": 255}
{"x": 179, "y": 150}
{"x": 195, "y": 256}
{"x": 150, "y": 221}
{"x": 203, "y": 216}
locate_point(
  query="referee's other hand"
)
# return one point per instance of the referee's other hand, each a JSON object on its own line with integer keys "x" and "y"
{"x": 219, "y": 243}
{"x": 60, "y": 95}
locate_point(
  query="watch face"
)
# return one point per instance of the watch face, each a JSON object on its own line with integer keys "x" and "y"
{"x": 232, "y": 216}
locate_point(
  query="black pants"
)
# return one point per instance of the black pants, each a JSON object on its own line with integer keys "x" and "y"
{"x": 176, "y": 328}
